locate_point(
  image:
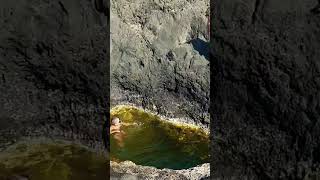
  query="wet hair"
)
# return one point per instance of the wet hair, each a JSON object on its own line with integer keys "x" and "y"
{"x": 115, "y": 120}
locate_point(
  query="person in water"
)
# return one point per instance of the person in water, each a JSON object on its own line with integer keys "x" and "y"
{"x": 115, "y": 131}
{"x": 115, "y": 125}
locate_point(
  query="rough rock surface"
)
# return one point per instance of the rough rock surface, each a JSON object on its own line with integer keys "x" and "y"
{"x": 159, "y": 57}
{"x": 53, "y": 69}
{"x": 128, "y": 170}
{"x": 266, "y": 89}
{"x": 159, "y": 61}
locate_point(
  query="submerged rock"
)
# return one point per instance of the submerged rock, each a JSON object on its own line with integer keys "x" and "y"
{"x": 40, "y": 159}
{"x": 17, "y": 177}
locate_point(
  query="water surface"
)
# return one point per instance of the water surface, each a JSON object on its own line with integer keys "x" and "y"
{"x": 52, "y": 161}
{"x": 153, "y": 142}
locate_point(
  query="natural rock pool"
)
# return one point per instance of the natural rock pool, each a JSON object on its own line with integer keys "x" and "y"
{"x": 52, "y": 161}
{"x": 150, "y": 141}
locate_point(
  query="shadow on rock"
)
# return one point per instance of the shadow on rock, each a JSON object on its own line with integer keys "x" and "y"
{"x": 201, "y": 46}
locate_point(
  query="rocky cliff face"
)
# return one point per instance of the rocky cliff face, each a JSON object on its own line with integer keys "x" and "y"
{"x": 265, "y": 88}
{"x": 159, "y": 57}
{"x": 53, "y": 69}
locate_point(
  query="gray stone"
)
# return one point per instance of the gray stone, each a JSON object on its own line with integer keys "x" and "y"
{"x": 158, "y": 57}
{"x": 265, "y": 100}
{"x": 128, "y": 169}
{"x": 53, "y": 70}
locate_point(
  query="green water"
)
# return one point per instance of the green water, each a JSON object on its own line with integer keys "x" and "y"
{"x": 52, "y": 161}
{"x": 156, "y": 143}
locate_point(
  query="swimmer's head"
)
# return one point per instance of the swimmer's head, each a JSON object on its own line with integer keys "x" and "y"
{"x": 115, "y": 121}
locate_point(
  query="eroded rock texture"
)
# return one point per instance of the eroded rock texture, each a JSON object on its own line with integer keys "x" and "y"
{"x": 265, "y": 86}
{"x": 53, "y": 69}
{"x": 128, "y": 170}
{"x": 159, "y": 57}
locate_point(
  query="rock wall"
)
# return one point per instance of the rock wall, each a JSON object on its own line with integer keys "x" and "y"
{"x": 265, "y": 83}
{"x": 265, "y": 89}
{"x": 159, "y": 57}
{"x": 54, "y": 69}
{"x": 129, "y": 170}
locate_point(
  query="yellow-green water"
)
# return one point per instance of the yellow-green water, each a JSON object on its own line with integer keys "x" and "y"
{"x": 52, "y": 161}
{"x": 150, "y": 141}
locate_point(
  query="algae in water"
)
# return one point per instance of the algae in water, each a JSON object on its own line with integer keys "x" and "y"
{"x": 154, "y": 142}
{"x": 52, "y": 161}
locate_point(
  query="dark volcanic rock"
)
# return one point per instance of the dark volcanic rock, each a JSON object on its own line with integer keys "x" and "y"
{"x": 159, "y": 57}
{"x": 266, "y": 98}
{"x": 54, "y": 69}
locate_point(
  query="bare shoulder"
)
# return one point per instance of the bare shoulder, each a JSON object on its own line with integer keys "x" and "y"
{"x": 112, "y": 131}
